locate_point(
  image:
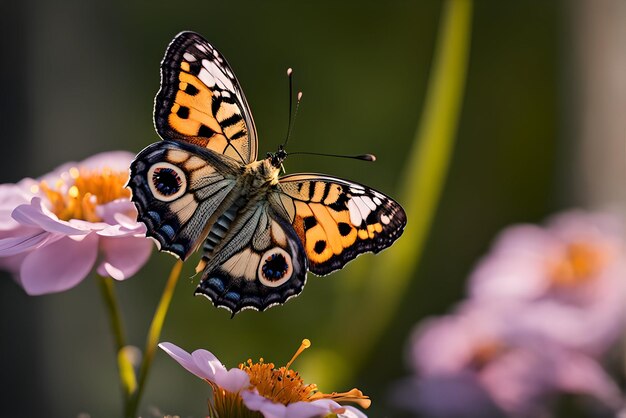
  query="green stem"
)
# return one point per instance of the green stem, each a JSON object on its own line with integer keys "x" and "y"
{"x": 153, "y": 338}
{"x": 128, "y": 380}
{"x": 424, "y": 178}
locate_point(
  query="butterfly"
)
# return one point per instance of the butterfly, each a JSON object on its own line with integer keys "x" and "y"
{"x": 201, "y": 187}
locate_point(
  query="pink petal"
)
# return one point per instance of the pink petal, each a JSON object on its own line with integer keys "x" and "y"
{"x": 233, "y": 380}
{"x": 108, "y": 211}
{"x": 59, "y": 266}
{"x": 329, "y": 406}
{"x": 308, "y": 409}
{"x": 123, "y": 257}
{"x": 17, "y": 245}
{"x": 33, "y": 215}
{"x": 352, "y": 412}
{"x": 12, "y": 265}
{"x": 580, "y": 374}
{"x": 124, "y": 226}
{"x": 204, "y": 367}
{"x": 208, "y": 363}
{"x": 518, "y": 379}
{"x": 320, "y": 408}
{"x": 130, "y": 223}
{"x": 256, "y": 402}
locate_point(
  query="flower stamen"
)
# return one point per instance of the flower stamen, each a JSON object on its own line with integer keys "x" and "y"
{"x": 305, "y": 344}
{"x": 79, "y": 191}
{"x": 284, "y": 385}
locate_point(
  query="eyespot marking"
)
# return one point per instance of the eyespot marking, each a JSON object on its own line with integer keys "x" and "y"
{"x": 166, "y": 181}
{"x": 275, "y": 268}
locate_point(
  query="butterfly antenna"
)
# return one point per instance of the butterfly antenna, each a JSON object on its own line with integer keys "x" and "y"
{"x": 362, "y": 157}
{"x": 292, "y": 117}
{"x": 289, "y": 73}
{"x": 293, "y": 121}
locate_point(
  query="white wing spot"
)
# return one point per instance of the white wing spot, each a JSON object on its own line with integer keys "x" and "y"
{"x": 355, "y": 215}
{"x": 357, "y": 189}
{"x": 206, "y": 78}
{"x": 218, "y": 74}
{"x": 377, "y": 201}
{"x": 202, "y": 48}
{"x": 369, "y": 202}
{"x": 363, "y": 208}
{"x": 189, "y": 57}
{"x": 385, "y": 219}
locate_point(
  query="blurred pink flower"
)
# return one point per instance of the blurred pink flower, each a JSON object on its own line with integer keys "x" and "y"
{"x": 54, "y": 230}
{"x": 478, "y": 361}
{"x": 572, "y": 273}
{"x": 275, "y": 393}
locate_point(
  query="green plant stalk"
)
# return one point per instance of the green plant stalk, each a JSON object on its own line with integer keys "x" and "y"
{"x": 424, "y": 178}
{"x": 128, "y": 380}
{"x": 152, "y": 340}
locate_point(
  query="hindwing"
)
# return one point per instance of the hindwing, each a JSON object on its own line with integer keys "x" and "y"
{"x": 177, "y": 188}
{"x": 200, "y": 100}
{"x": 337, "y": 220}
{"x": 254, "y": 261}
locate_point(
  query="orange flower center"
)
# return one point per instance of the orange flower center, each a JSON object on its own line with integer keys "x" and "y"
{"x": 77, "y": 193}
{"x": 486, "y": 352}
{"x": 280, "y": 385}
{"x": 580, "y": 263}
{"x": 285, "y": 386}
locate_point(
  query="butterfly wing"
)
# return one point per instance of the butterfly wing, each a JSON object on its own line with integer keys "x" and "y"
{"x": 338, "y": 220}
{"x": 257, "y": 263}
{"x": 177, "y": 188}
{"x": 200, "y": 100}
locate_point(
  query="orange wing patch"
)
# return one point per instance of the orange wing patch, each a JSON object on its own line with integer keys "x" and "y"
{"x": 201, "y": 102}
{"x": 324, "y": 231}
{"x": 191, "y": 114}
{"x": 338, "y": 220}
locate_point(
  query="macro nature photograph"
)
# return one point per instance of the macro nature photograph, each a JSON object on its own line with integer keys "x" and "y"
{"x": 313, "y": 209}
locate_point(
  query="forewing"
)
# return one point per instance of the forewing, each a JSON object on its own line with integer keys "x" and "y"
{"x": 337, "y": 220}
{"x": 258, "y": 263}
{"x": 177, "y": 188}
{"x": 200, "y": 100}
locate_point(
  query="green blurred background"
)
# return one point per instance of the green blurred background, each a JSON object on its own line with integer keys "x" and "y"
{"x": 80, "y": 77}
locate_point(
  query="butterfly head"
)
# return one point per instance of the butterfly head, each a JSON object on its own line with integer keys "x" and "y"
{"x": 277, "y": 158}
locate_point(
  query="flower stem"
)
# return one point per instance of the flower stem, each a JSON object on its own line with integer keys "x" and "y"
{"x": 423, "y": 180}
{"x": 128, "y": 379}
{"x": 152, "y": 340}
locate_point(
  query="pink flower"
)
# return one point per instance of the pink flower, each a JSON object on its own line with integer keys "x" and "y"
{"x": 54, "y": 230}
{"x": 478, "y": 361}
{"x": 544, "y": 304}
{"x": 275, "y": 393}
{"x": 572, "y": 275}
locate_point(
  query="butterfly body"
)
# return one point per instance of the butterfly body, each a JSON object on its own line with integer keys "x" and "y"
{"x": 201, "y": 187}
